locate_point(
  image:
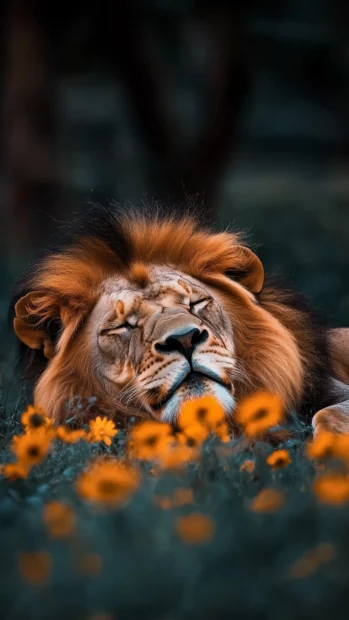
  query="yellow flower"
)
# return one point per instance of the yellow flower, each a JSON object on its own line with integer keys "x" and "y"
{"x": 259, "y": 412}
{"x": 183, "y": 496}
{"x": 149, "y": 439}
{"x": 329, "y": 445}
{"x": 332, "y": 488}
{"x": 205, "y": 411}
{"x": 13, "y": 471}
{"x": 176, "y": 456}
{"x": 322, "y": 446}
{"x": 108, "y": 482}
{"x": 341, "y": 447}
{"x": 248, "y": 465}
{"x": 222, "y": 431}
{"x": 35, "y": 567}
{"x": 59, "y": 519}
{"x": 312, "y": 560}
{"x": 279, "y": 459}
{"x": 163, "y": 501}
{"x": 102, "y": 429}
{"x": 90, "y": 564}
{"x": 268, "y": 500}
{"x": 64, "y": 433}
{"x": 195, "y": 528}
{"x": 32, "y": 447}
{"x": 193, "y": 435}
{"x": 35, "y": 418}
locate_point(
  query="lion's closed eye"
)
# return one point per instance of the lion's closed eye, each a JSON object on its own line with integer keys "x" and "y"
{"x": 111, "y": 331}
{"x": 200, "y": 304}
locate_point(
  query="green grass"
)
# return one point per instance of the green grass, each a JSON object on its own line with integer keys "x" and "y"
{"x": 147, "y": 571}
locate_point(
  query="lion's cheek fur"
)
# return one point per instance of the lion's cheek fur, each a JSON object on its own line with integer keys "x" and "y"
{"x": 69, "y": 376}
{"x": 73, "y": 376}
{"x": 267, "y": 352}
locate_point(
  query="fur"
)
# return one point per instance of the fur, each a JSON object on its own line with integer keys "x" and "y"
{"x": 103, "y": 242}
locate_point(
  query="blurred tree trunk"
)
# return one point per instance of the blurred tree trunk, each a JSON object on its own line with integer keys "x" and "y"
{"x": 339, "y": 70}
{"x": 182, "y": 172}
{"x": 29, "y": 171}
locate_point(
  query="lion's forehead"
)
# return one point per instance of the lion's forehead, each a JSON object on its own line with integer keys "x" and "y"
{"x": 166, "y": 288}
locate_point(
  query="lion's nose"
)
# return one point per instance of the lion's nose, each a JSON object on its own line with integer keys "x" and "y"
{"x": 184, "y": 342}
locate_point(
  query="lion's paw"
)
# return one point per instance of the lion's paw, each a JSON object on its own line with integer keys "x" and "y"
{"x": 332, "y": 420}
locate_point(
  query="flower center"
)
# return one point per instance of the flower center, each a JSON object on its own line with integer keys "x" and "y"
{"x": 108, "y": 487}
{"x": 36, "y": 420}
{"x": 260, "y": 414}
{"x": 151, "y": 441}
{"x": 201, "y": 413}
{"x": 34, "y": 451}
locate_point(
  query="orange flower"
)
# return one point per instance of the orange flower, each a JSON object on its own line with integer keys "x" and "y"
{"x": 108, "y": 482}
{"x": 259, "y": 412}
{"x": 32, "y": 447}
{"x": 102, "y": 429}
{"x": 13, "y": 471}
{"x": 90, "y": 564}
{"x": 35, "y": 567}
{"x": 163, "y": 502}
{"x": 182, "y": 496}
{"x": 222, "y": 431}
{"x": 193, "y": 435}
{"x": 149, "y": 439}
{"x": 332, "y": 488}
{"x": 60, "y": 519}
{"x": 329, "y": 445}
{"x": 205, "y": 411}
{"x": 64, "y": 433}
{"x": 322, "y": 446}
{"x": 34, "y": 418}
{"x": 279, "y": 459}
{"x": 195, "y": 528}
{"x": 341, "y": 447}
{"x": 268, "y": 500}
{"x": 177, "y": 456}
{"x": 311, "y": 561}
{"x": 248, "y": 465}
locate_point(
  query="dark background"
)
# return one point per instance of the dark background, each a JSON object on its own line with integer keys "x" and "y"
{"x": 242, "y": 107}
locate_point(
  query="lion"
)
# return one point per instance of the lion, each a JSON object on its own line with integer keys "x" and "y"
{"x": 138, "y": 312}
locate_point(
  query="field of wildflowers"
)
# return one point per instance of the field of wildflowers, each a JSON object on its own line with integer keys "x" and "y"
{"x": 99, "y": 523}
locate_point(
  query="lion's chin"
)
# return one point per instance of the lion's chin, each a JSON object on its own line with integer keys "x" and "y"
{"x": 194, "y": 389}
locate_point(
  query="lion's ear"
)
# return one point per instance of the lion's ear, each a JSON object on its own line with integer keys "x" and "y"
{"x": 34, "y": 314}
{"x": 248, "y": 270}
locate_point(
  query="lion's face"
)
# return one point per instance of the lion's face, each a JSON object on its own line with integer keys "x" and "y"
{"x": 144, "y": 313}
{"x": 157, "y": 346}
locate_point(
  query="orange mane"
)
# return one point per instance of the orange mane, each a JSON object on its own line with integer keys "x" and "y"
{"x": 279, "y": 343}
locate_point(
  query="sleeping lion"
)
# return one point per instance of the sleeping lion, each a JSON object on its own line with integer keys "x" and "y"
{"x": 137, "y": 313}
